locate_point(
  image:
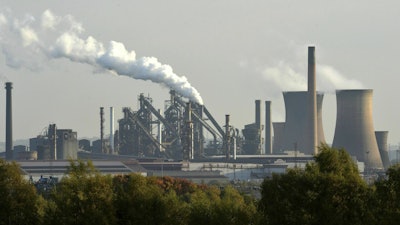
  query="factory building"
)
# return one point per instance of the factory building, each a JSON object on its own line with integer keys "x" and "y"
{"x": 84, "y": 144}
{"x": 177, "y": 133}
{"x": 67, "y": 144}
{"x": 252, "y": 133}
{"x": 56, "y": 144}
{"x": 186, "y": 131}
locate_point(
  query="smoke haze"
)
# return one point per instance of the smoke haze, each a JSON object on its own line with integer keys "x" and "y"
{"x": 28, "y": 43}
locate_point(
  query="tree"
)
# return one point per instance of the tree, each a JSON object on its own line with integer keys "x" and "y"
{"x": 140, "y": 200}
{"x": 328, "y": 191}
{"x": 387, "y": 197}
{"x": 84, "y": 196}
{"x": 234, "y": 209}
{"x": 19, "y": 202}
{"x": 202, "y": 203}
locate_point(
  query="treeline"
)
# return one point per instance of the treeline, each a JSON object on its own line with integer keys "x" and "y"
{"x": 328, "y": 191}
{"x": 88, "y": 197}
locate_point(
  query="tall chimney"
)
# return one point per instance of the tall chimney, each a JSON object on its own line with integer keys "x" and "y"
{"x": 258, "y": 113}
{"x": 102, "y": 129}
{"x": 227, "y": 137}
{"x": 268, "y": 128}
{"x": 312, "y": 101}
{"x": 9, "y": 139}
{"x": 112, "y": 130}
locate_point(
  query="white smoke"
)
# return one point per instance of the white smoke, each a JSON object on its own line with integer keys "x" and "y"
{"x": 329, "y": 79}
{"x": 61, "y": 37}
{"x": 285, "y": 77}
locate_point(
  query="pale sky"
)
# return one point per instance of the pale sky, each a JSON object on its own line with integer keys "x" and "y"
{"x": 231, "y": 51}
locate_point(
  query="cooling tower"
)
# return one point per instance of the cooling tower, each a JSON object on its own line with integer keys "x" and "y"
{"x": 312, "y": 136}
{"x": 354, "y": 126}
{"x": 9, "y": 139}
{"x": 268, "y": 128}
{"x": 278, "y": 136}
{"x": 381, "y": 139}
{"x": 296, "y": 131}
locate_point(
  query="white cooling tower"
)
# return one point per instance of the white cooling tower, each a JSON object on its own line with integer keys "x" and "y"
{"x": 296, "y": 131}
{"x": 354, "y": 126}
{"x": 381, "y": 139}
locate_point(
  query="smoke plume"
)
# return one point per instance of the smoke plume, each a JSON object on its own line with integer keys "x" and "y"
{"x": 329, "y": 79}
{"x": 28, "y": 42}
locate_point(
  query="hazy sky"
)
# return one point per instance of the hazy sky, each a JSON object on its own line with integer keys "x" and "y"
{"x": 232, "y": 52}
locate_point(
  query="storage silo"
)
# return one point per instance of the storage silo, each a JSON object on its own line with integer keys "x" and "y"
{"x": 354, "y": 126}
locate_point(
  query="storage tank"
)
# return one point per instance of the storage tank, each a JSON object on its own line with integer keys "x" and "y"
{"x": 354, "y": 126}
{"x": 296, "y": 131}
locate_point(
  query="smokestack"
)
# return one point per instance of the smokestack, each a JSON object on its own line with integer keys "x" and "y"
{"x": 381, "y": 139}
{"x": 102, "y": 129}
{"x": 228, "y": 137}
{"x": 268, "y": 128}
{"x": 9, "y": 138}
{"x": 354, "y": 126}
{"x": 234, "y": 143}
{"x": 112, "y": 130}
{"x": 312, "y": 101}
{"x": 258, "y": 113}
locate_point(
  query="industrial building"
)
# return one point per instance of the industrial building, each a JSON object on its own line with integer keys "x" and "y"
{"x": 176, "y": 135}
{"x": 56, "y": 144}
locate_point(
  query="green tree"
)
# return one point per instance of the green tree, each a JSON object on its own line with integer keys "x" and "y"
{"x": 84, "y": 196}
{"x": 19, "y": 202}
{"x": 209, "y": 206}
{"x": 202, "y": 203}
{"x": 140, "y": 200}
{"x": 234, "y": 208}
{"x": 388, "y": 197}
{"x": 328, "y": 191}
